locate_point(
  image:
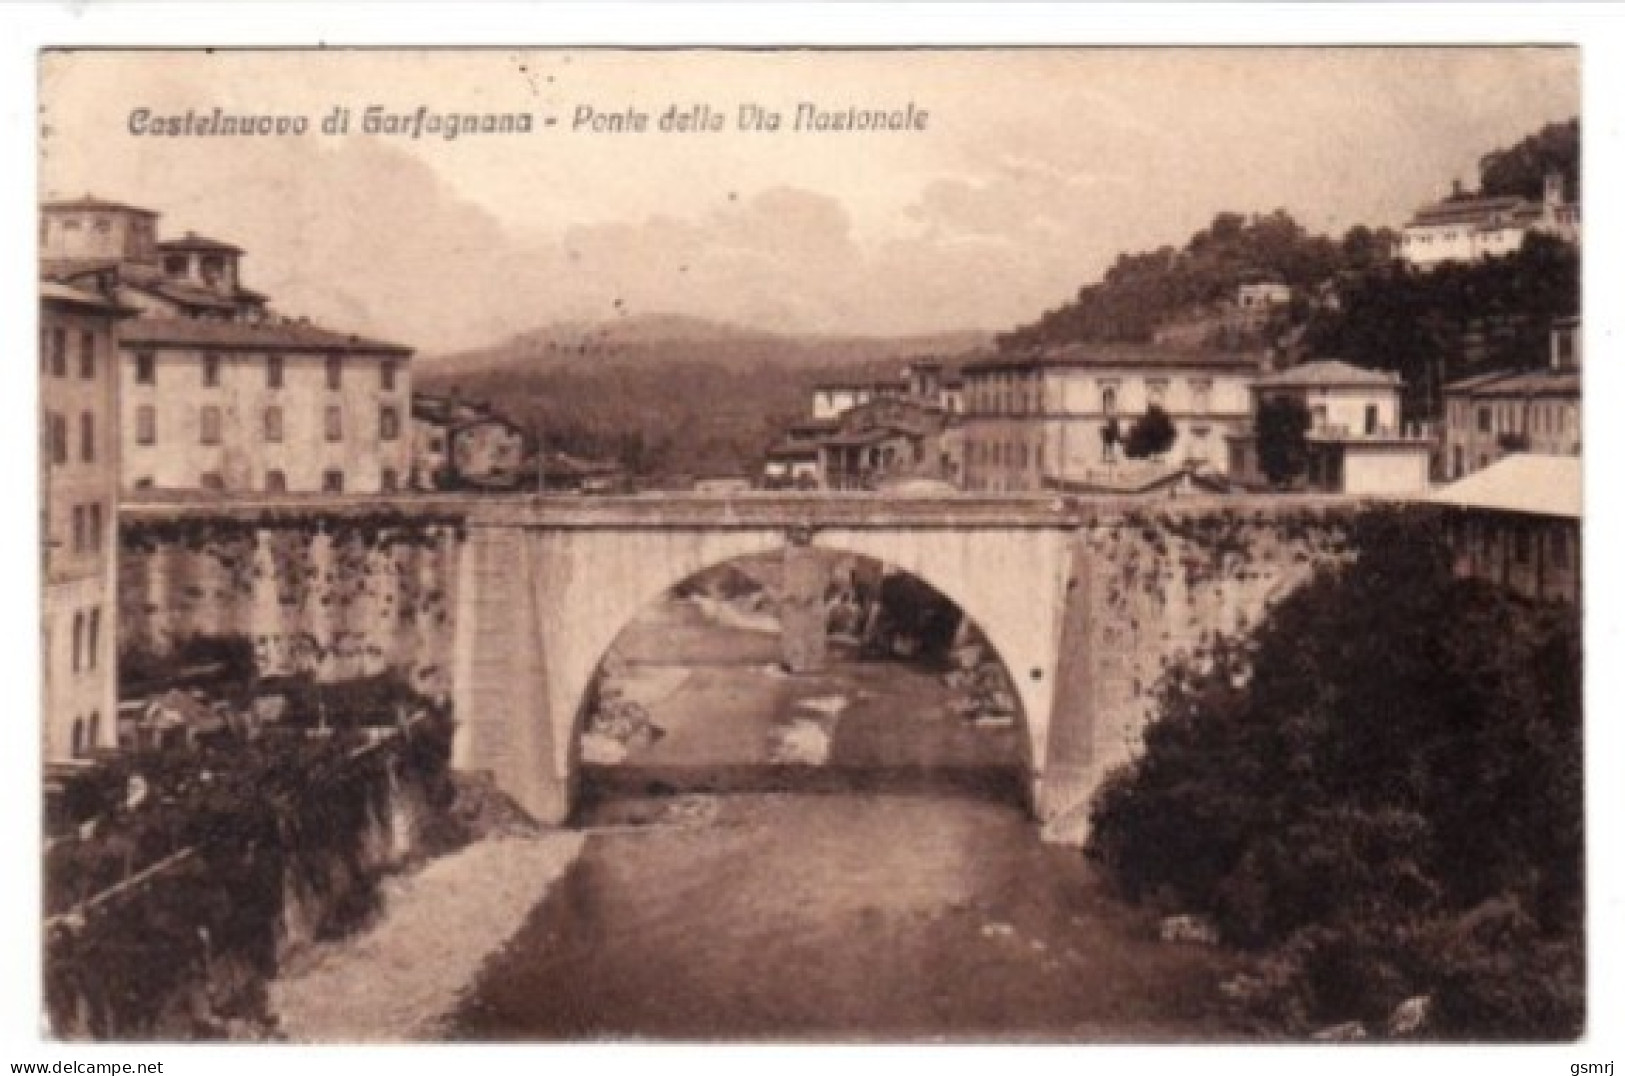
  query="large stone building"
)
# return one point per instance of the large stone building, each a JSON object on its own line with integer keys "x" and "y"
{"x": 1057, "y": 418}
{"x": 1466, "y": 228}
{"x": 277, "y": 407}
{"x": 1491, "y": 415}
{"x": 78, "y": 502}
{"x": 215, "y": 391}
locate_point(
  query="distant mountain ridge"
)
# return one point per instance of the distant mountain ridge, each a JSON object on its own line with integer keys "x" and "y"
{"x": 667, "y": 394}
{"x": 676, "y": 338}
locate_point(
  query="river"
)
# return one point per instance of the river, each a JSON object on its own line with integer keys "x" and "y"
{"x": 872, "y": 876}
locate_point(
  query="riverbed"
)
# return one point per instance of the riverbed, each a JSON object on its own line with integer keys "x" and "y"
{"x": 879, "y": 879}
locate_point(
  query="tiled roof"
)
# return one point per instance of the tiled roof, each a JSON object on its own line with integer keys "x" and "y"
{"x": 56, "y": 292}
{"x": 91, "y": 202}
{"x": 1327, "y": 373}
{"x": 247, "y": 336}
{"x": 1518, "y": 383}
{"x": 1111, "y": 357}
{"x": 1523, "y": 482}
{"x": 1474, "y": 210}
{"x": 189, "y": 295}
{"x": 1535, "y": 383}
{"x": 193, "y": 241}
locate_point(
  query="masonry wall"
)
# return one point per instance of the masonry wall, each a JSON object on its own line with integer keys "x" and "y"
{"x": 336, "y": 597}
{"x": 1147, "y": 587}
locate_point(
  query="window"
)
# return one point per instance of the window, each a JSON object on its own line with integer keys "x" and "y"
{"x": 78, "y": 737}
{"x": 1370, "y": 419}
{"x": 389, "y": 424}
{"x": 1521, "y": 545}
{"x": 87, "y": 355}
{"x": 1201, "y": 393}
{"x": 92, "y": 644}
{"x": 1484, "y": 419}
{"x": 335, "y": 372}
{"x": 273, "y": 424}
{"x": 78, "y": 640}
{"x": 335, "y": 423}
{"x": 211, "y": 480}
{"x": 273, "y": 371}
{"x": 59, "y": 439}
{"x": 146, "y": 425}
{"x": 93, "y": 528}
{"x": 79, "y": 531}
{"x": 211, "y": 371}
{"x": 209, "y": 425}
{"x": 59, "y": 352}
{"x": 212, "y": 268}
{"x": 386, "y": 374}
{"x": 391, "y": 480}
{"x": 175, "y": 264}
{"x": 87, "y": 437}
{"x": 143, "y": 483}
{"x": 146, "y": 368}
{"x": 276, "y": 482}
{"x": 1558, "y": 541}
{"x": 93, "y": 732}
{"x": 1108, "y": 400}
{"x": 332, "y": 481}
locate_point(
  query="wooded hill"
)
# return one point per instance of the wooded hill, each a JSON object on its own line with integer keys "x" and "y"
{"x": 668, "y": 395}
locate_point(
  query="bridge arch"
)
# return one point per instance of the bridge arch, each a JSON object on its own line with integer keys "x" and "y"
{"x": 803, "y": 589}
{"x": 580, "y": 586}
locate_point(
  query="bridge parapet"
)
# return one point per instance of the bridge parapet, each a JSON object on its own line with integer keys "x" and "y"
{"x": 686, "y": 511}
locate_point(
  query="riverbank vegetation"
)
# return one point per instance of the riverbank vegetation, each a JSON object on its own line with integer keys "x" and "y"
{"x": 1378, "y": 795}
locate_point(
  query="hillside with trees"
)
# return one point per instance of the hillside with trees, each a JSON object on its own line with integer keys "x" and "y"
{"x": 1352, "y": 300}
{"x": 1521, "y": 169}
{"x": 1145, "y": 291}
{"x": 669, "y": 396}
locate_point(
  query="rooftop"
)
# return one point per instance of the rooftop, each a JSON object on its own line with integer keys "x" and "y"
{"x": 193, "y": 241}
{"x": 1472, "y": 210}
{"x": 1523, "y": 482}
{"x": 1518, "y": 383}
{"x": 1328, "y": 373}
{"x": 1111, "y": 356}
{"x": 91, "y": 202}
{"x": 247, "y": 336}
{"x": 65, "y": 294}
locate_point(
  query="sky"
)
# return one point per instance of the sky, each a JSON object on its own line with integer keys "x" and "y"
{"x": 1034, "y": 169}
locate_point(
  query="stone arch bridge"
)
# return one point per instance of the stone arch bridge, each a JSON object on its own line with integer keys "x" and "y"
{"x": 1083, "y": 600}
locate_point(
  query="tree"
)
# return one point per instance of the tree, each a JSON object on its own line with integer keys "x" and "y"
{"x": 1283, "y": 448}
{"x": 1152, "y": 434}
{"x": 1521, "y": 170}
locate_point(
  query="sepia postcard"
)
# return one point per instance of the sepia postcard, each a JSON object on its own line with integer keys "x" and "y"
{"x": 1015, "y": 545}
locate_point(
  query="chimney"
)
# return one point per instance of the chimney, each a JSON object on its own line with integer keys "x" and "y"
{"x": 1554, "y": 189}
